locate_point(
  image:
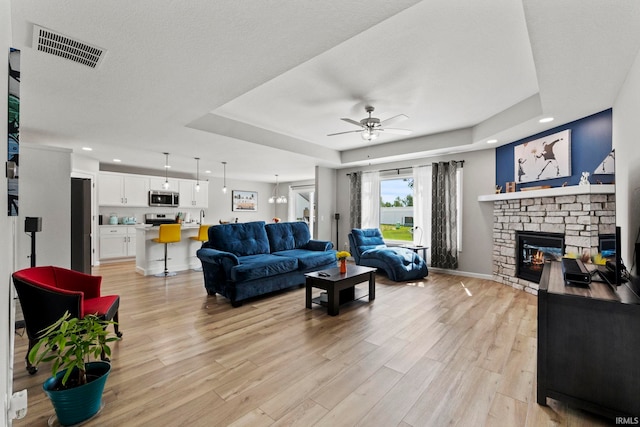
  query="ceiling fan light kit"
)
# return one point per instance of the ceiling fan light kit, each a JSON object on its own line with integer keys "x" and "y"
{"x": 371, "y": 127}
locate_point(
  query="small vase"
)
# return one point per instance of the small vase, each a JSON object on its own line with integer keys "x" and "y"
{"x": 343, "y": 265}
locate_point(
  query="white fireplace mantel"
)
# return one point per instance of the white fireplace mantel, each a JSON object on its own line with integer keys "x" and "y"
{"x": 551, "y": 192}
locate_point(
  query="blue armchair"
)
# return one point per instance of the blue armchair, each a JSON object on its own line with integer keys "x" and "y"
{"x": 399, "y": 264}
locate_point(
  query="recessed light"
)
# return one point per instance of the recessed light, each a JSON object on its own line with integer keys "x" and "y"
{"x": 207, "y": 171}
{"x": 117, "y": 160}
{"x": 87, "y": 148}
{"x": 167, "y": 166}
{"x": 492, "y": 141}
{"x": 546, "y": 120}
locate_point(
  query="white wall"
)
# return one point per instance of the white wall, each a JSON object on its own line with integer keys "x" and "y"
{"x": 220, "y": 204}
{"x": 477, "y": 218}
{"x": 45, "y": 191}
{"x": 325, "y": 194}
{"x": 7, "y": 227}
{"x": 626, "y": 136}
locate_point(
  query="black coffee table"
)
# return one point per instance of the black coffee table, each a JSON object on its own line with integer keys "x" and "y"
{"x": 340, "y": 287}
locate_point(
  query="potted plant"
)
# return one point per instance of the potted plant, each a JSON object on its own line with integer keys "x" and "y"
{"x": 342, "y": 260}
{"x": 75, "y": 389}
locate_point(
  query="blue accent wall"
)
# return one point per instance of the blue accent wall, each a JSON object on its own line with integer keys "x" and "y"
{"x": 591, "y": 142}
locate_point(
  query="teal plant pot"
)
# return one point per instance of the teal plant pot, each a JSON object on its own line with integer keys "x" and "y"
{"x": 78, "y": 404}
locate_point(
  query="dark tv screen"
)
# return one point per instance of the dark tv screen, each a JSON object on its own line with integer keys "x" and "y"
{"x": 607, "y": 245}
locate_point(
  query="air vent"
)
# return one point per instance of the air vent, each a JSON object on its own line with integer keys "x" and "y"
{"x": 54, "y": 43}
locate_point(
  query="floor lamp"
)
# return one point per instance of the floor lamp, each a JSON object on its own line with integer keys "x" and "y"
{"x": 337, "y": 217}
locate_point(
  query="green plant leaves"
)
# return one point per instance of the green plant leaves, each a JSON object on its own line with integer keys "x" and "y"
{"x": 70, "y": 342}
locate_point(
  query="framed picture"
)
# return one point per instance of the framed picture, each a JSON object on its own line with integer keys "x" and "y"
{"x": 244, "y": 201}
{"x": 544, "y": 158}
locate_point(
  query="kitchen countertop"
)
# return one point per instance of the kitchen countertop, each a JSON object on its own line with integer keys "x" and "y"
{"x": 188, "y": 225}
{"x": 150, "y": 255}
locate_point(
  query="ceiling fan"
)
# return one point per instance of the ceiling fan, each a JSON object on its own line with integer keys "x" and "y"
{"x": 372, "y": 127}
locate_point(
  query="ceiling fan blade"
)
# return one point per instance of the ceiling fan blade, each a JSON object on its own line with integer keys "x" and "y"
{"x": 342, "y": 133}
{"x": 396, "y": 131}
{"x": 394, "y": 119}
{"x": 353, "y": 122}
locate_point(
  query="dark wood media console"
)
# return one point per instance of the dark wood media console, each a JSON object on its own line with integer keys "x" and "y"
{"x": 589, "y": 345}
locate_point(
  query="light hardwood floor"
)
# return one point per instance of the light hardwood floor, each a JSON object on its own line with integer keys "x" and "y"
{"x": 447, "y": 350}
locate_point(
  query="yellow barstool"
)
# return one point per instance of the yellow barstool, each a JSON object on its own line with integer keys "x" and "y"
{"x": 168, "y": 233}
{"x": 203, "y": 236}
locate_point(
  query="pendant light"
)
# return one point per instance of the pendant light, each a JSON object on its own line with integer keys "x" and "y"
{"x": 224, "y": 177}
{"x": 166, "y": 168}
{"x": 275, "y": 198}
{"x": 197, "y": 174}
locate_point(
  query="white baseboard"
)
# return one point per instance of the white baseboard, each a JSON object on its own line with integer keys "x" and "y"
{"x": 461, "y": 273}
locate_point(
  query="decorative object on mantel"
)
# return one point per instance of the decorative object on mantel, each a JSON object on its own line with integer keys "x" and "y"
{"x": 511, "y": 187}
{"x": 498, "y": 189}
{"x": 537, "y": 187}
{"x": 608, "y": 165}
{"x": 543, "y": 158}
{"x": 569, "y": 190}
{"x": 276, "y": 219}
{"x": 584, "y": 179}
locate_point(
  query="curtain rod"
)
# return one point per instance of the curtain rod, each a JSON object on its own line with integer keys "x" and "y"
{"x": 411, "y": 167}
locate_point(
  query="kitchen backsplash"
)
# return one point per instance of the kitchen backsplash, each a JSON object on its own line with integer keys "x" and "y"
{"x": 138, "y": 213}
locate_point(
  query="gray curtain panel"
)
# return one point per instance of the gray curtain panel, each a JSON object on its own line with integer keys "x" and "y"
{"x": 444, "y": 215}
{"x": 355, "y": 190}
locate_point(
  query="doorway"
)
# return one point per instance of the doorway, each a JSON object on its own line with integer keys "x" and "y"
{"x": 303, "y": 206}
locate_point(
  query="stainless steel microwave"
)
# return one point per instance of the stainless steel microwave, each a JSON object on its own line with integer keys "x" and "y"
{"x": 164, "y": 198}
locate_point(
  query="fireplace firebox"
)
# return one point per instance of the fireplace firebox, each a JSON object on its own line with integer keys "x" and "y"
{"x": 533, "y": 250}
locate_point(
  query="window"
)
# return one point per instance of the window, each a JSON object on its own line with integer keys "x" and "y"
{"x": 396, "y": 208}
{"x": 399, "y": 204}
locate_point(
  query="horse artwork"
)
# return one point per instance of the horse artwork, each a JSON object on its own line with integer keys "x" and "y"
{"x": 544, "y": 158}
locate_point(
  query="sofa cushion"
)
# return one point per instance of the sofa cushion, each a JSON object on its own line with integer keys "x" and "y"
{"x": 285, "y": 236}
{"x": 309, "y": 259}
{"x": 398, "y": 263}
{"x": 249, "y": 238}
{"x": 399, "y": 255}
{"x": 263, "y": 265}
{"x": 367, "y": 238}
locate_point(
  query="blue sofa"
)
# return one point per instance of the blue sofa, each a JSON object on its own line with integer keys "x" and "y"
{"x": 244, "y": 260}
{"x": 398, "y": 263}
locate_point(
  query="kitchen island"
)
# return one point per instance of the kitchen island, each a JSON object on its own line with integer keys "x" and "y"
{"x": 181, "y": 255}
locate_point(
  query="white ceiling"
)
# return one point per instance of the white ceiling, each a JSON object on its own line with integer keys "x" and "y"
{"x": 259, "y": 84}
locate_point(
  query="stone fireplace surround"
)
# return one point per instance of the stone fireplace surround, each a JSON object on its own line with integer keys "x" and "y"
{"x": 581, "y": 213}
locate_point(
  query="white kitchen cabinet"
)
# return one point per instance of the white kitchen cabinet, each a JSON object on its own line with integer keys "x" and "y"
{"x": 118, "y": 241}
{"x": 123, "y": 190}
{"x": 190, "y": 198}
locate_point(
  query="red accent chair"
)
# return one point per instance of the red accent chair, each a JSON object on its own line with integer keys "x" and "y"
{"x": 45, "y": 294}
